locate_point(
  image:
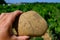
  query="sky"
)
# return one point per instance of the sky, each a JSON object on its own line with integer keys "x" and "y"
{"x": 19, "y": 1}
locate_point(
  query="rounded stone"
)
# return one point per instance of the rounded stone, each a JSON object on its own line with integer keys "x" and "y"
{"x": 31, "y": 24}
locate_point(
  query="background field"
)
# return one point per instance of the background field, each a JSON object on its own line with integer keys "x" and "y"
{"x": 49, "y": 11}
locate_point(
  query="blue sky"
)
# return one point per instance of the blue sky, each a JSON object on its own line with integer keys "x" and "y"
{"x": 18, "y": 1}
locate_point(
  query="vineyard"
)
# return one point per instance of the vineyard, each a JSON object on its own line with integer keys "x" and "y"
{"x": 49, "y": 11}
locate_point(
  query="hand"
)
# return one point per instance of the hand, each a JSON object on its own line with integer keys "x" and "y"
{"x": 6, "y": 20}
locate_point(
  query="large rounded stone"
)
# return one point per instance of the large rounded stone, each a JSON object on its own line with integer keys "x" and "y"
{"x": 31, "y": 24}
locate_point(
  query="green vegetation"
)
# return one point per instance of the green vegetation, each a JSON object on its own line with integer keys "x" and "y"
{"x": 50, "y": 11}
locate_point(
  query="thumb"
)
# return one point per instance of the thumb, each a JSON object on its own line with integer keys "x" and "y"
{"x": 23, "y": 38}
{"x": 20, "y": 38}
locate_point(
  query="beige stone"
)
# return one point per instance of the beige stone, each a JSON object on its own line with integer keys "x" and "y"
{"x": 31, "y": 24}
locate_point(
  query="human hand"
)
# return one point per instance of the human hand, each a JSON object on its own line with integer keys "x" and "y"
{"x": 6, "y": 20}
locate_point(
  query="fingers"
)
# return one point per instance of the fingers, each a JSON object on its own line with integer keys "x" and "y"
{"x": 7, "y": 19}
{"x": 13, "y": 14}
{"x": 20, "y": 38}
{"x": 23, "y": 37}
{"x": 16, "y": 13}
{"x": 12, "y": 17}
{"x": 2, "y": 15}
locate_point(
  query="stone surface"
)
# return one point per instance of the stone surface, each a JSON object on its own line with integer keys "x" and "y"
{"x": 31, "y": 24}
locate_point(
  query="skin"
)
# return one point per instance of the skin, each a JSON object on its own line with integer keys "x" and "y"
{"x": 6, "y": 20}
